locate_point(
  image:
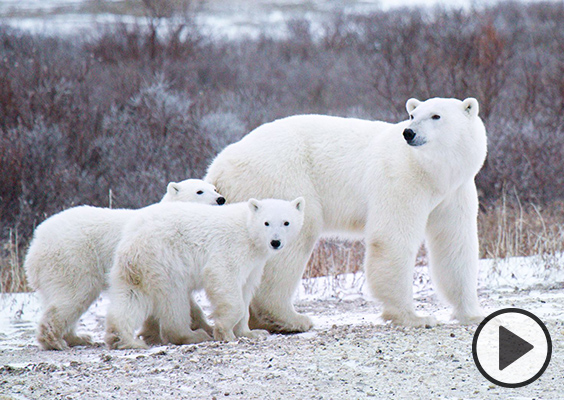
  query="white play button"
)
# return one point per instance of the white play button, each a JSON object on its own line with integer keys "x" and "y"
{"x": 512, "y": 347}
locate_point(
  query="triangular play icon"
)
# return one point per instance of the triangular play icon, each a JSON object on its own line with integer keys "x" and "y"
{"x": 511, "y": 347}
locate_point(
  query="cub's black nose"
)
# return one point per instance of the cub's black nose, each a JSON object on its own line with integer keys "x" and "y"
{"x": 220, "y": 200}
{"x": 408, "y": 135}
{"x": 275, "y": 244}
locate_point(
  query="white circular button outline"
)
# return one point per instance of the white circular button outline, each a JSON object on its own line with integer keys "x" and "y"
{"x": 506, "y": 311}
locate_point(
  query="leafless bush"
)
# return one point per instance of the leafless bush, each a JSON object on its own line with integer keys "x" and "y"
{"x": 222, "y": 129}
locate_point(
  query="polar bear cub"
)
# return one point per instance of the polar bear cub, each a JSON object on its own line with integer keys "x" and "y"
{"x": 72, "y": 252}
{"x": 169, "y": 251}
{"x": 193, "y": 190}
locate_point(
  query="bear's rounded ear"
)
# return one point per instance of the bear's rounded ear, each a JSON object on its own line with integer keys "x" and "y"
{"x": 470, "y": 106}
{"x": 254, "y": 205}
{"x": 411, "y": 105}
{"x": 173, "y": 188}
{"x": 299, "y": 204}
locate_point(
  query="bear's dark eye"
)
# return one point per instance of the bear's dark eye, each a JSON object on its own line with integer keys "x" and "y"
{"x": 411, "y": 117}
{"x": 266, "y": 224}
{"x": 200, "y": 192}
{"x": 435, "y": 117}
{"x": 286, "y": 223}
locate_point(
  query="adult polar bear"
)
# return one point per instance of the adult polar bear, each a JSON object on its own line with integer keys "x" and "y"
{"x": 396, "y": 183}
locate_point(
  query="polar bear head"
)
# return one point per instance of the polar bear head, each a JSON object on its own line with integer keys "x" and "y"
{"x": 193, "y": 190}
{"x": 442, "y": 121}
{"x": 447, "y": 137}
{"x": 275, "y": 223}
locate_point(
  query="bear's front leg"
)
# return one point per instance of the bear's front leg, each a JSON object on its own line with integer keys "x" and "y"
{"x": 452, "y": 239}
{"x": 271, "y": 307}
{"x": 226, "y": 316}
{"x": 242, "y": 327}
{"x": 389, "y": 272}
{"x": 224, "y": 291}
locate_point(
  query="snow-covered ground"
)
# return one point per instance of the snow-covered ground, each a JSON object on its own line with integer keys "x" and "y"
{"x": 349, "y": 354}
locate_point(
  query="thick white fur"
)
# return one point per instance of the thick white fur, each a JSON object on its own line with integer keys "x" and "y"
{"x": 72, "y": 252}
{"x": 363, "y": 177}
{"x": 169, "y": 251}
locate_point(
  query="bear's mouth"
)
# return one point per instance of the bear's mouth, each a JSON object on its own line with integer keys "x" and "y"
{"x": 412, "y": 138}
{"x": 417, "y": 142}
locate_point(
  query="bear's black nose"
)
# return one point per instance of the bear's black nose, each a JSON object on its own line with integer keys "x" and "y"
{"x": 275, "y": 244}
{"x": 408, "y": 135}
{"x": 220, "y": 200}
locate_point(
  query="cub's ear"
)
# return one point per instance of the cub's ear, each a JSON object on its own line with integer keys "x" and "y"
{"x": 299, "y": 204}
{"x": 254, "y": 205}
{"x": 411, "y": 105}
{"x": 470, "y": 106}
{"x": 173, "y": 188}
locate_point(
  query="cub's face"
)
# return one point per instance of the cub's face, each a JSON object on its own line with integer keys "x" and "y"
{"x": 443, "y": 122}
{"x": 276, "y": 223}
{"x": 193, "y": 190}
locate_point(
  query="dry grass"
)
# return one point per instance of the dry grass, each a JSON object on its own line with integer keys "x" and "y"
{"x": 333, "y": 257}
{"x": 12, "y": 275}
{"x": 509, "y": 228}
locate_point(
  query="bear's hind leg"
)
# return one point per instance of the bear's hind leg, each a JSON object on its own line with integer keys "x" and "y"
{"x": 64, "y": 305}
{"x": 51, "y": 329}
{"x": 128, "y": 309}
{"x": 173, "y": 312}
{"x": 76, "y": 310}
{"x": 389, "y": 272}
{"x": 151, "y": 331}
